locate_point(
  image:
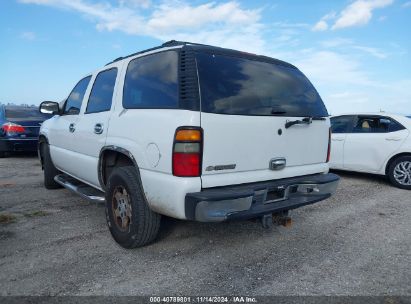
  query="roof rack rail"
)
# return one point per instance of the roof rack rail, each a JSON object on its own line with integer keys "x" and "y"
{"x": 165, "y": 44}
{"x": 176, "y": 42}
{"x": 172, "y": 43}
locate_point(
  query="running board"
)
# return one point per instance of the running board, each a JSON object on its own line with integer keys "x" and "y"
{"x": 85, "y": 191}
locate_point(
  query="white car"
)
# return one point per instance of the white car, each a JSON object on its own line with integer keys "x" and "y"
{"x": 190, "y": 131}
{"x": 378, "y": 143}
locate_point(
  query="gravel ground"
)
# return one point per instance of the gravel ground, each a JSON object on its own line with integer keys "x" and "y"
{"x": 356, "y": 243}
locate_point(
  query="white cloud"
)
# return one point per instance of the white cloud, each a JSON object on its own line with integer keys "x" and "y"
{"x": 226, "y": 24}
{"x": 393, "y": 97}
{"x": 320, "y": 26}
{"x": 289, "y": 25}
{"x": 349, "y": 44}
{"x": 359, "y": 13}
{"x": 345, "y": 85}
{"x": 169, "y": 17}
{"x": 328, "y": 68}
{"x": 135, "y": 3}
{"x": 336, "y": 42}
{"x": 28, "y": 36}
{"x": 371, "y": 51}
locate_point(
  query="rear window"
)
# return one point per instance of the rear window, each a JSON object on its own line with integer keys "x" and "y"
{"x": 232, "y": 85}
{"x": 22, "y": 114}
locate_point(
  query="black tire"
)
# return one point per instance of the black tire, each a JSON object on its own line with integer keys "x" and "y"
{"x": 48, "y": 167}
{"x": 3, "y": 154}
{"x": 392, "y": 168}
{"x": 131, "y": 221}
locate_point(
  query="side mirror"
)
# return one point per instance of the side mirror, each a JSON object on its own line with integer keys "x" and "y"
{"x": 49, "y": 107}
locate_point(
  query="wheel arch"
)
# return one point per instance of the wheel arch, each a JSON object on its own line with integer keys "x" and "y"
{"x": 393, "y": 158}
{"x": 111, "y": 157}
{"x": 42, "y": 140}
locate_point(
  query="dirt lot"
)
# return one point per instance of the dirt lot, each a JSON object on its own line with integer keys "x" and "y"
{"x": 356, "y": 243}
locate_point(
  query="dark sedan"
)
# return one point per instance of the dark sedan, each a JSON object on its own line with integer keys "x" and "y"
{"x": 19, "y": 128}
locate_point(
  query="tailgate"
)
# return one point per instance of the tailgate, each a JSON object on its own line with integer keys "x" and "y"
{"x": 240, "y": 148}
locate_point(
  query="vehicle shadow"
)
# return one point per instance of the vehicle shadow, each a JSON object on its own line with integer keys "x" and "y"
{"x": 362, "y": 176}
{"x": 20, "y": 155}
{"x": 175, "y": 229}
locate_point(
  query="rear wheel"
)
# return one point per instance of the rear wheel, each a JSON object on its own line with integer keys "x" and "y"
{"x": 399, "y": 172}
{"x": 130, "y": 220}
{"x": 50, "y": 171}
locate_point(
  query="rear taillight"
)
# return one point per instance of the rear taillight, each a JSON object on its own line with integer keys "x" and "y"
{"x": 11, "y": 128}
{"x": 329, "y": 146}
{"x": 187, "y": 152}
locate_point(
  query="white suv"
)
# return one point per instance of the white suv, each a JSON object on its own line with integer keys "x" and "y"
{"x": 193, "y": 132}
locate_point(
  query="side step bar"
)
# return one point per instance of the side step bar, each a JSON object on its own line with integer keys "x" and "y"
{"x": 85, "y": 191}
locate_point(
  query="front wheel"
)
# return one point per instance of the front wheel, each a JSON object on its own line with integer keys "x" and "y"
{"x": 399, "y": 172}
{"x": 130, "y": 220}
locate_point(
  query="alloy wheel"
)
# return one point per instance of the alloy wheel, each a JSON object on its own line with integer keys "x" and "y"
{"x": 402, "y": 173}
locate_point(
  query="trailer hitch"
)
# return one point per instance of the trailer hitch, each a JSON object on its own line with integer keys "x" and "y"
{"x": 267, "y": 221}
{"x": 279, "y": 219}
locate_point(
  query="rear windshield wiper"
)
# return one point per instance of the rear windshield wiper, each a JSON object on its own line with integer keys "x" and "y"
{"x": 304, "y": 121}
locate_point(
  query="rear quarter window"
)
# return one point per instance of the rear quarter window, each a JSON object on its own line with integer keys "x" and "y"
{"x": 239, "y": 86}
{"x": 152, "y": 82}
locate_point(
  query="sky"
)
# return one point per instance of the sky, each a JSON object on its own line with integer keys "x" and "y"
{"x": 356, "y": 53}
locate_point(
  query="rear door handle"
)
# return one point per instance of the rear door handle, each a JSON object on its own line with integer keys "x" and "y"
{"x": 72, "y": 127}
{"x": 98, "y": 128}
{"x": 393, "y": 138}
{"x": 337, "y": 139}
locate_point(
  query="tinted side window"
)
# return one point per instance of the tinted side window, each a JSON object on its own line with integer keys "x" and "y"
{"x": 366, "y": 125}
{"x": 73, "y": 102}
{"x": 239, "y": 86}
{"x": 341, "y": 124}
{"x": 152, "y": 81}
{"x": 101, "y": 95}
{"x": 395, "y": 126}
{"x": 376, "y": 125}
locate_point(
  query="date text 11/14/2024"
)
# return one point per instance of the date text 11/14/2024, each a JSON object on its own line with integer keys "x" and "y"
{"x": 203, "y": 299}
